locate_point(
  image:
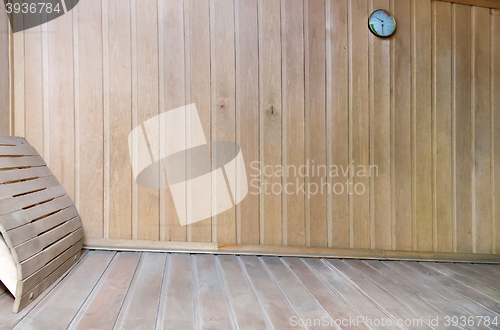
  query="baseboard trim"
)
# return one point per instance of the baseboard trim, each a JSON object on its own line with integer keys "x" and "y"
{"x": 283, "y": 251}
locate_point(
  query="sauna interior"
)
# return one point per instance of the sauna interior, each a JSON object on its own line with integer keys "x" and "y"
{"x": 249, "y": 164}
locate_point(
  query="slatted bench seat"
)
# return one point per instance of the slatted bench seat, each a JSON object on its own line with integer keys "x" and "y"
{"x": 41, "y": 234}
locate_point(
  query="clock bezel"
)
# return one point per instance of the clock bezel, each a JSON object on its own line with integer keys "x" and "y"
{"x": 388, "y": 14}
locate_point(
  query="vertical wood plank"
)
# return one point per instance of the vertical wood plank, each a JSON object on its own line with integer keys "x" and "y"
{"x": 422, "y": 125}
{"x": 197, "y": 21}
{"x": 172, "y": 95}
{"x": 33, "y": 85}
{"x": 292, "y": 29}
{"x": 91, "y": 117}
{"x": 147, "y": 204}
{"x": 495, "y": 108}
{"x": 380, "y": 137}
{"x": 223, "y": 97}
{"x": 247, "y": 111}
{"x": 5, "y": 95}
{"x": 401, "y": 127}
{"x": 119, "y": 119}
{"x": 462, "y": 131}
{"x": 315, "y": 122}
{"x": 18, "y": 78}
{"x": 359, "y": 125}
{"x": 62, "y": 101}
{"x": 482, "y": 129}
{"x": 337, "y": 105}
{"x": 271, "y": 222}
{"x": 442, "y": 125}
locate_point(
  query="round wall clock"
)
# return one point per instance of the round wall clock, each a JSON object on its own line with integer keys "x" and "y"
{"x": 382, "y": 23}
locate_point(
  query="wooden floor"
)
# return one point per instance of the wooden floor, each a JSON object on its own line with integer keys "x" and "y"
{"x": 108, "y": 290}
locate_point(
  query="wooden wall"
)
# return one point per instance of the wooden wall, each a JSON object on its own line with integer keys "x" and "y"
{"x": 290, "y": 81}
{"x": 4, "y": 73}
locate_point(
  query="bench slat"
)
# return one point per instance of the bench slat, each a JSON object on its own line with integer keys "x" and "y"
{"x": 22, "y": 217}
{"x": 31, "y": 230}
{"x": 26, "y": 173}
{"x": 9, "y": 205}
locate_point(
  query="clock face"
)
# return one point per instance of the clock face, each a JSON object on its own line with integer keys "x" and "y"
{"x": 382, "y": 23}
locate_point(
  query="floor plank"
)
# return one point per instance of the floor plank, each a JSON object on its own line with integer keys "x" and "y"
{"x": 441, "y": 304}
{"x": 483, "y": 269}
{"x": 176, "y": 304}
{"x": 410, "y": 300}
{"x": 473, "y": 274}
{"x": 214, "y": 313}
{"x": 140, "y": 308}
{"x": 304, "y": 303}
{"x": 358, "y": 302}
{"x": 495, "y": 268}
{"x": 464, "y": 279}
{"x": 103, "y": 306}
{"x": 149, "y": 291}
{"x": 329, "y": 300}
{"x": 8, "y": 320}
{"x": 271, "y": 297}
{"x": 459, "y": 287}
{"x": 249, "y": 313}
{"x": 58, "y": 309}
{"x": 448, "y": 294}
{"x": 381, "y": 297}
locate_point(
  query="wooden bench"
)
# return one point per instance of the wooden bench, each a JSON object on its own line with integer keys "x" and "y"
{"x": 41, "y": 231}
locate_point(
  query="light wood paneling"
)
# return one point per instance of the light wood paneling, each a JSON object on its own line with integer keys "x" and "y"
{"x": 337, "y": 120}
{"x": 481, "y": 3}
{"x": 380, "y": 137}
{"x": 359, "y": 118}
{"x": 442, "y": 126}
{"x": 462, "y": 126}
{"x": 4, "y": 75}
{"x": 291, "y": 82}
{"x": 270, "y": 79}
{"x": 172, "y": 95}
{"x": 495, "y": 108}
{"x": 315, "y": 124}
{"x": 197, "y": 23}
{"x": 223, "y": 86}
{"x": 89, "y": 135}
{"x": 292, "y": 70}
{"x": 401, "y": 128}
{"x": 145, "y": 103}
{"x": 247, "y": 111}
{"x": 481, "y": 130}
{"x": 118, "y": 119}
{"x": 421, "y": 126}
